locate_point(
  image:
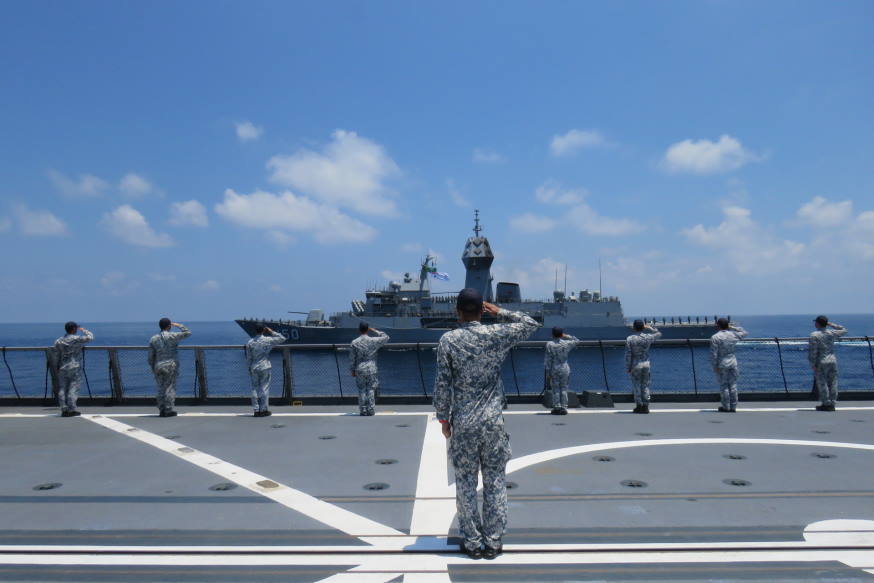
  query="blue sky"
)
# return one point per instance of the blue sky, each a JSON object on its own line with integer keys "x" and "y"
{"x": 226, "y": 159}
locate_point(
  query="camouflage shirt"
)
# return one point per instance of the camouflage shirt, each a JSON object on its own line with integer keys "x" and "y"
{"x": 557, "y": 351}
{"x": 637, "y": 348}
{"x": 722, "y": 345}
{"x": 258, "y": 350}
{"x": 68, "y": 350}
{"x": 468, "y": 391}
{"x": 362, "y": 352}
{"x": 821, "y": 346}
{"x": 162, "y": 346}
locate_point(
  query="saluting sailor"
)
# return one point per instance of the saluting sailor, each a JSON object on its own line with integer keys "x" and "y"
{"x": 164, "y": 361}
{"x": 68, "y": 361}
{"x": 558, "y": 370}
{"x": 362, "y": 362}
{"x": 637, "y": 363}
{"x": 724, "y": 362}
{"x": 468, "y": 397}
{"x": 258, "y": 359}
{"x": 821, "y": 354}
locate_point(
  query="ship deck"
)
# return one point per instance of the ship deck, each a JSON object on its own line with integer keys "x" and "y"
{"x": 775, "y": 492}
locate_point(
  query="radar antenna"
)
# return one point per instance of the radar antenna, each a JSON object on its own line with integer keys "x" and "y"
{"x": 476, "y": 227}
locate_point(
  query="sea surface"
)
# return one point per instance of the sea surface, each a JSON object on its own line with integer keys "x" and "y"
{"x": 405, "y": 372}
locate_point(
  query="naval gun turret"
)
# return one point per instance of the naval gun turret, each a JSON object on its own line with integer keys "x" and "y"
{"x": 478, "y": 259}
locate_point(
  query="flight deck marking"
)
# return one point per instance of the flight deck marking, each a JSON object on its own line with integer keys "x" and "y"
{"x": 432, "y": 483}
{"x": 324, "y": 512}
{"x": 430, "y": 413}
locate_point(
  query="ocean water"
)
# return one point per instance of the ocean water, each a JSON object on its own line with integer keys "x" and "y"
{"x": 404, "y": 372}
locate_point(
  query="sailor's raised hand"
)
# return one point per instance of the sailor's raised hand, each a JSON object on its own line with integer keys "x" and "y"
{"x": 489, "y": 308}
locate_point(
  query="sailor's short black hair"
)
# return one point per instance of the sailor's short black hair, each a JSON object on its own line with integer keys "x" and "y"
{"x": 557, "y": 332}
{"x": 71, "y": 327}
{"x": 638, "y": 325}
{"x": 722, "y": 323}
{"x": 259, "y": 328}
{"x": 822, "y": 321}
{"x": 164, "y": 323}
{"x": 469, "y": 301}
{"x": 363, "y": 327}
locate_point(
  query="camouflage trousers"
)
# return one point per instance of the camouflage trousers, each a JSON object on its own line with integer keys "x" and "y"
{"x": 640, "y": 381}
{"x": 558, "y": 382}
{"x": 260, "y": 388}
{"x": 826, "y": 376}
{"x": 165, "y": 377}
{"x": 727, "y": 377}
{"x": 69, "y": 381}
{"x": 487, "y": 449}
{"x": 368, "y": 383}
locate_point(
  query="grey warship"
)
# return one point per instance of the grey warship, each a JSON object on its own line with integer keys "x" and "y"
{"x": 410, "y": 313}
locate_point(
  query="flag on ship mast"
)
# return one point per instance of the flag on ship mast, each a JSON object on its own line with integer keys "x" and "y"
{"x": 437, "y": 274}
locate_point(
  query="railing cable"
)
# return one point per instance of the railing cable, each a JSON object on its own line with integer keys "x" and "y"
{"x": 782, "y": 370}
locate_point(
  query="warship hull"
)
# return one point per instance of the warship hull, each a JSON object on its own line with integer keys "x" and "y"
{"x": 303, "y": 334}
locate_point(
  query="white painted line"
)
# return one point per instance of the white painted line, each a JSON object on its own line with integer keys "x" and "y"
{"x": 544, "y": 456}
{"x": 430, "y": 516}
{"x": 654, "y": 409}
{"x": 427, "y": 577}
{"x": 421, "y": 562}
{"x": 360, "y": 578}
{"x": 324, "y": 512}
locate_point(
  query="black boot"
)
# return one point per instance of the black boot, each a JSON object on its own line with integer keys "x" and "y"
{"x": 490, "y": 553}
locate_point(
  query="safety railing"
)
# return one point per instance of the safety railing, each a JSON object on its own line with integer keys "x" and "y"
{"x": 775, "y": 367}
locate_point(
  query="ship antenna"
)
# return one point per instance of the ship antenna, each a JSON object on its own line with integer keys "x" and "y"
{"x": 600, "y": 280}
{"x": 476, "y": 227}
{"x": 565, "y": 278}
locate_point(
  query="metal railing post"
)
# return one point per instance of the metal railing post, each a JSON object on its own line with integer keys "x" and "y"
{"x": 116, "y": 385}
{"x": 694, "y": 372}
{"x": 782, "y": 370}
{"x": 513, "y": 366}
{"x": 870, "y": 354}
{"x": 604, "y": 365}
{"x": 421, "y": 374}
{"x": 287, "y": 378}
{"x": 200, "y": 371}
{"x": 339, "y": 377}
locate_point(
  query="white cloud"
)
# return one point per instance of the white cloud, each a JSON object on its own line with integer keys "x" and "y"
{"x": 820, "y": 212}
{"x": 412, "y": 248}
{"x": 275, "y": 288}
{"x": 134, "y": 186}
{"x": 39, "y": 223}
{"x": 587, "y": 220}
{"x": 190, "y": 212}
{"x": 162, "y": 277}
{"x": 247, "y": 131}
{"x": 706, "y": 157}
{"x": 573, "y": 140}
{"x": 350, "y": 172}
{"x": 550, "y": 192}
{"x": 745, "y": 244}
{"x": 117, "y": 283}
{"x": 129, "y": 225}
{"x": 392, "y": 275}
{"x": 87, "y": 185}
{"x": 280, "y": 239}
{"x": 486, "y": 156}
{"x": 456, "y": 196}
{"x": 531, "y": 223}
{"x": 289, "y": 212}
{"x": 209, "y": 285}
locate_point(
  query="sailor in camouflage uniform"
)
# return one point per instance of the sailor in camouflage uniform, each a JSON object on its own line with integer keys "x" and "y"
{"x": 468, "y": 397}
{"x": 637, "y": 363}
{"x": 724, "y": 362}
{"x": 558, "y": 371}
{"x": 258, "y": 359}
{"x": 68, "y": 363}
{"x": 821, "y": 354}
{"x": 362, "y": 362}
{"x": 164, "y": 361}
